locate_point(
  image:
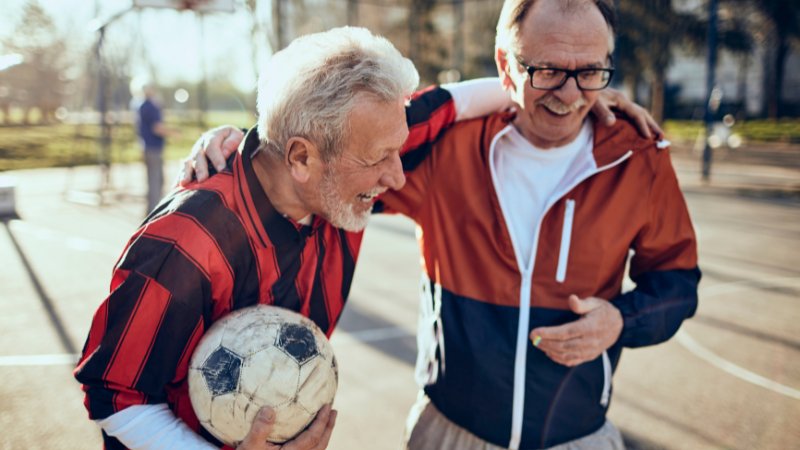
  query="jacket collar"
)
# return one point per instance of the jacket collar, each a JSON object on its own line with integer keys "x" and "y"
{"x": 610, "y": 143}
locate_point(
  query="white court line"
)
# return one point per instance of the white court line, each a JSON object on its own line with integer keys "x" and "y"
{"x": 58, "y": 359}
{"x": 76, "y": 243}
{"x": 693, "y": 346}
{"x": 704, "y": 353}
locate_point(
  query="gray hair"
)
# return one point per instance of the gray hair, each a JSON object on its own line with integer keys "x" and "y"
{"x": 309, "y": 88}
{"x": 515, "y": 11}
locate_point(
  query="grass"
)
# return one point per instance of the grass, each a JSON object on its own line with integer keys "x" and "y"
{"x": 782, "y": 130}
{"x": 65, "y": 145}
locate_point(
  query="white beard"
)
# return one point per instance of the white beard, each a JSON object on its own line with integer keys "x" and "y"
{"x": 340, "y": 213}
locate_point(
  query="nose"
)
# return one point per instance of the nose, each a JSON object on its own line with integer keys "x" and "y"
{"x": 394, "y": 178}
{"x": 569, "y": 93}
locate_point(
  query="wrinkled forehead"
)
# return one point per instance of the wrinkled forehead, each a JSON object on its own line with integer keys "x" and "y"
{"x": 550, "y": 34}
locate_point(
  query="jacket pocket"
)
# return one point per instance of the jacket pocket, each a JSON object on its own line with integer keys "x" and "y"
{"x": 566, "y": 239}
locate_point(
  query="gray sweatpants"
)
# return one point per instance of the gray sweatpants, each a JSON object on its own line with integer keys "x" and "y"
{"x": 428, "y": 429}
{"x": 154, "y": 163}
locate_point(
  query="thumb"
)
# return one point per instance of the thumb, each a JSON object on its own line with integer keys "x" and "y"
{"x": 260, "y": 430}
{"x": 583, "y": 306}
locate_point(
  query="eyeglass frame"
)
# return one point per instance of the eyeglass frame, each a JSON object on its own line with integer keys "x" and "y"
{"x": 530, "y": 70}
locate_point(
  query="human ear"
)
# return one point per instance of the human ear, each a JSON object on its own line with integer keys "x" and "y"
{"x": 504, "y": 70}
{"x": 300, "y": 157}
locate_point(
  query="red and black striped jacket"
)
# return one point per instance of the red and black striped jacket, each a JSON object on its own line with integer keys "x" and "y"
{"x": 208, "y": 249}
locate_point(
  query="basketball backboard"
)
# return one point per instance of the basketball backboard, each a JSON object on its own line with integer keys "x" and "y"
{"x": 203, "y": 6}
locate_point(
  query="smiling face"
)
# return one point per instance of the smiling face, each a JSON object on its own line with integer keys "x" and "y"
{"x": 552, "y": 37}
{"x": 368, "y": 165}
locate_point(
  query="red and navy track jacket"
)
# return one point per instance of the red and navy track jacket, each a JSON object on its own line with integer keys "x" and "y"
{"x": 483, "y": 373}
{"x": 208, "y": 249}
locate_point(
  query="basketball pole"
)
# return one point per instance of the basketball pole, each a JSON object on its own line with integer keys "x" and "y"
{"x": 97, "y": 198}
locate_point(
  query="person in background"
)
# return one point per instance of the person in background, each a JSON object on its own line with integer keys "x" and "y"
{"x": 152, "y": 134}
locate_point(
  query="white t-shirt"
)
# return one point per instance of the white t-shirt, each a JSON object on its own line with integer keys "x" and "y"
{"x": 528, "y": 177}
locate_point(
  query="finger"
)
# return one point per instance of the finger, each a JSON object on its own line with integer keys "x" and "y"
{"x": 564, "y": 332}
{"x": 640, "y": 117}
{"x": 561, "y": 347}
{"x": 201, "y": 165}
{"x": 312, "y": 436}
{"x": 571, "y": 358}
{"x": 219, "y": 140}
{"x": 259, "y": 431}
{"x": 583, "y": 306}
{"x": 561, "y": 358}
{"x": 227, "y": 139}
{"x": 231, "y": 143}
{"x": 185, "y": 175}
{"x": 654, "y": 128}
{"x": 326, "y": 435}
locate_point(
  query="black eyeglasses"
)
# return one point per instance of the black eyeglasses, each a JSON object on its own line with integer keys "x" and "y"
{"x": 551, "y": 78}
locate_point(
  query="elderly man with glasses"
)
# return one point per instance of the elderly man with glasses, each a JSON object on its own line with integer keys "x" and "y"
{"x": 525, "y": 241}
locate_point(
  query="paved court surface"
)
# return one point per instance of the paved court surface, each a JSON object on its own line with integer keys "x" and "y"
{"x": 730, "y": 379}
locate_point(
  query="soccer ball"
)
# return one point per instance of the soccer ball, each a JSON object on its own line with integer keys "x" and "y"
{"x": 261, "y": 356}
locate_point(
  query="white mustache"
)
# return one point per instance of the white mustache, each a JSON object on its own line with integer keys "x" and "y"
{"x": 552, "y": 103}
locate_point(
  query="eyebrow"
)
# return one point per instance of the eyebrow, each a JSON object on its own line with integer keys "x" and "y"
{"x": 548, "y": 65}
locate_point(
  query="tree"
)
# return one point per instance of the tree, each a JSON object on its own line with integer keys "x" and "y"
{"x": 782, "y": 18}
{"x": 426, "y": 46}
{"x": 649, "y": 31}
{"x": 38, "y": 82}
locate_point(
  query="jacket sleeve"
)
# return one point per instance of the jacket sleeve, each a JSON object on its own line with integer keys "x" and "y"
{"x": 143, "y": 332}
{"x": 428, "y": 114}
{"x": 431, "y": 111}
{"x": 664, "y": 265}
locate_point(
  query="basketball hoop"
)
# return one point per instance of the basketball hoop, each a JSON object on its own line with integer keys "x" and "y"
{"x": 201, "y": 6}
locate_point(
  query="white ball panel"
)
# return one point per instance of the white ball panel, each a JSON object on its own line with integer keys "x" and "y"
{"x": 199, "y": 395}
{"x": 250, "y": 336}
{"x": 271, "y": 377}
{"x": 317, "y": 384}
{"x": 290, "y": 419}
{"x": 224, "y": 423}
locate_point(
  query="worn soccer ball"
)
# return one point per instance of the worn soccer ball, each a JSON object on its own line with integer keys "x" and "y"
{"x": 261, "y": 356}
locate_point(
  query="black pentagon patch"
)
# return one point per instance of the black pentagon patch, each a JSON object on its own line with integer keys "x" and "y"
{"x": 298, "y": 342}
{"x": 221, "y": 371}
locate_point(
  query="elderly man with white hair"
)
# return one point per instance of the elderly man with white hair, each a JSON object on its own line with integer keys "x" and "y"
{"x": 281, "y": 225}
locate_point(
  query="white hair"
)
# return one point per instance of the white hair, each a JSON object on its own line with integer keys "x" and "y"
{"x": 309, "y": 88}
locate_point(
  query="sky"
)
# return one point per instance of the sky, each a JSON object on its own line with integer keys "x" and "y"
{"x": 170, "y": 41}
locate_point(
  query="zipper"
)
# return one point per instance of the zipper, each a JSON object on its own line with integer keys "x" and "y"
{"x": 430, "y": 335}
{"x": 520, "y": 359}
{"x": 518, "y": 401}
{"x": 566, "y": 238}
{"x": 604, "y": 397}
